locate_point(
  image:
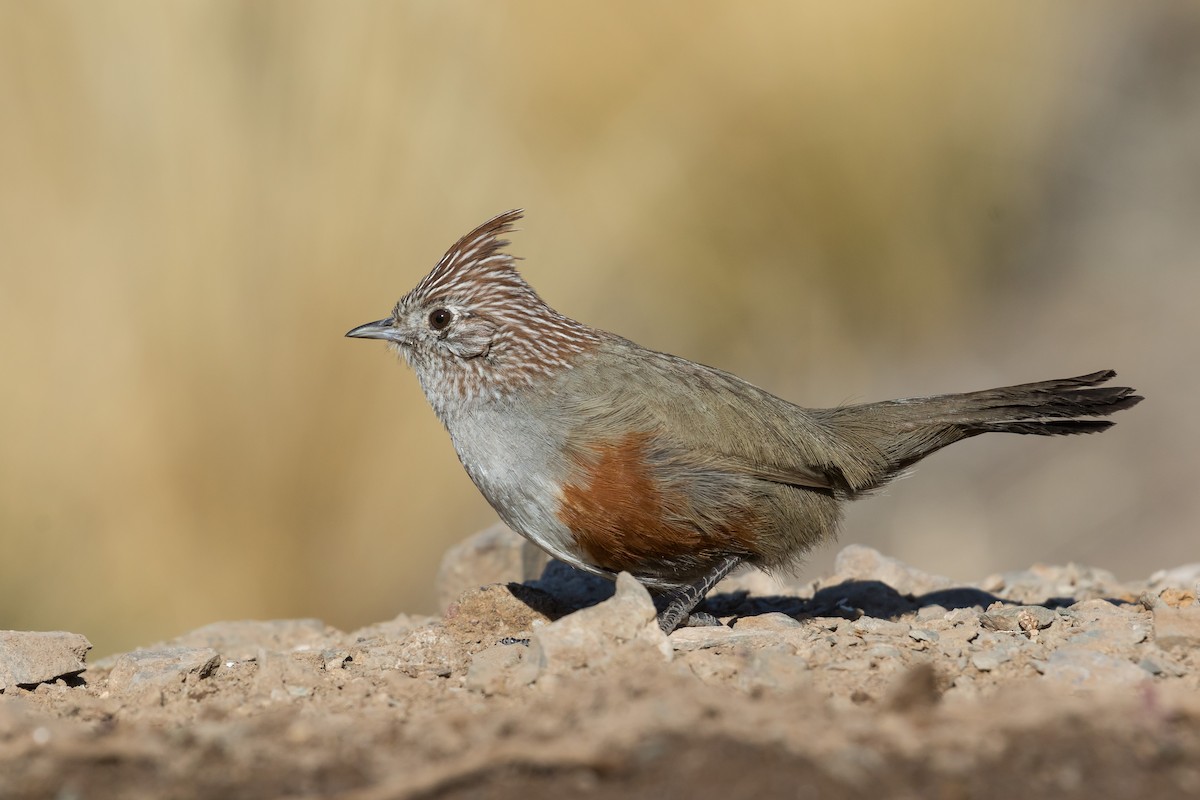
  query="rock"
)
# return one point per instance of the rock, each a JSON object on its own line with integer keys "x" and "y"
{"x": 952, "y": 648}
{"x": 1106, "y": 626}
{"x": 775, "y": 667}
{"x": 431, "y": 651}
{"x": 1175, "y": 598}
{"x": 988, "y": 660}
{"x": 885, "y": 652}
{"x": 490, "y": 613}
{"x": 923, "y": 635}
{"x": 702, "y": 638}
{"x": 955, "y": 636}
{"x": 32, "y": 657}
{"x": 857, "y": 562}
{"x": 716, "y": 669}
{"x": 993, "y": 583}
{"x": 494, "y": 555}
{"x": 1177, "y": 627}
{"x": 929, "y": 612}
{"x": 162, "y": 668}
{"x": 1084, "y": 667}
{"x": 627, "y": 624}
{"x": 1042, "y": 582}
{"x": 773, "y": 621}
{"x": 1182, "y": 577}
{"x": 990, "y": 650}
{"x": 963, "y": 616}
{"x": 241, "y": 640}
{"x": 396, "y": 628}
{"x": 879, "y": 627}
{"x": 332, "y": 660}
{"x": 1017, "y": 618}
{"x": 285, "y": 676}
{"x": 498, "y": 670}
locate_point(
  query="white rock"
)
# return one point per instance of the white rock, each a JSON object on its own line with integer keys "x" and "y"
{"x": 595, "y": 636}
{"x": 29, "y": 657}
{"x": 861, "y": 563}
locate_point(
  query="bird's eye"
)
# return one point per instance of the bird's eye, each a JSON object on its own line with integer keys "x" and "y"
{"x": 439, "y": 318}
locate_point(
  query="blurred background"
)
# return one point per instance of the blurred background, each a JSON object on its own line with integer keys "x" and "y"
{"x": 840, "y": 203}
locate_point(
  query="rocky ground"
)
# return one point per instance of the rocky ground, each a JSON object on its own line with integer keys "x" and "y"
{"x": 877, "y": 681}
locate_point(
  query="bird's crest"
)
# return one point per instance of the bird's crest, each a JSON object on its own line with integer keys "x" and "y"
{"x": 474, "y": 262}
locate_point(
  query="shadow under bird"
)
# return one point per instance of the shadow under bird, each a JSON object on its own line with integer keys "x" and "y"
{"x": 612, "y": 457}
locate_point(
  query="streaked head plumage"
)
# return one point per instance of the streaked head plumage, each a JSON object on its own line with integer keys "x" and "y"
{"x": 473, "y": 327}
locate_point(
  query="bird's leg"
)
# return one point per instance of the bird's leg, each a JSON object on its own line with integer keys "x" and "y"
{"x": 678, "y": 609}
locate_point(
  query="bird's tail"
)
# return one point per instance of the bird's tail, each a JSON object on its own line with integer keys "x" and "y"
{"x": 905, "y": 431}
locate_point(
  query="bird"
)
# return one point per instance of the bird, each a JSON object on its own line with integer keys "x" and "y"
{"x": 612, "y": 457}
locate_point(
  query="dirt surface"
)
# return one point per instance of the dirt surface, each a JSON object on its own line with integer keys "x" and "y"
{"x": 876, "y": 681}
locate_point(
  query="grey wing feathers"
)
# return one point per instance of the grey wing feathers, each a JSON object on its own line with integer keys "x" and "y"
{"x": 738, "y": 427}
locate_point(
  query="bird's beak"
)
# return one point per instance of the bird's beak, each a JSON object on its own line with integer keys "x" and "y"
{"x": 380, "y": 329}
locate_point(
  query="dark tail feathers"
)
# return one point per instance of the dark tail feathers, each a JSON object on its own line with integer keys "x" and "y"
{"x": 905, "y": 431}
{"x": 1048, "y": 408}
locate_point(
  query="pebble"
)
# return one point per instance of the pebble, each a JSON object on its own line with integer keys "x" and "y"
{"x": 961, "y": 633}
{"x": 1017, "y": 618}
{"x": 334, "y": 659}
{"x": 988, "y": 660}
{"x": 931, "y": 612}
{"x": 962, "y": 616}
{"x": 882, "y": 627}
{"x": 773, "y": 621}
{"x": 951, "y": 648}
{"x": 885, "y": 651}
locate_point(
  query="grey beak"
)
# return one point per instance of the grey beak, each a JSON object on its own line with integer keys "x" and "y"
{"x": 379, "y": 329}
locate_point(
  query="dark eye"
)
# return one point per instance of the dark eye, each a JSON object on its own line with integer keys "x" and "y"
{"x": 439, "y": 318}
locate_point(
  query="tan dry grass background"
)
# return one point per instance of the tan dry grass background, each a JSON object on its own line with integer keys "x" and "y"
{"x": 837, "y": 201}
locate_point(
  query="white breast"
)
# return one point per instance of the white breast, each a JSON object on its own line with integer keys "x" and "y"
{"x": 519, "y": 469}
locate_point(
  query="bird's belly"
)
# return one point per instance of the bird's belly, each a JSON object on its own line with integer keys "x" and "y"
{"x": 521, "y": 477}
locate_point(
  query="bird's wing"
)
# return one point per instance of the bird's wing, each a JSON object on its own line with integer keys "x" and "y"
{"x": 726, "y": 423}
{"x": 792, "y": 475}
